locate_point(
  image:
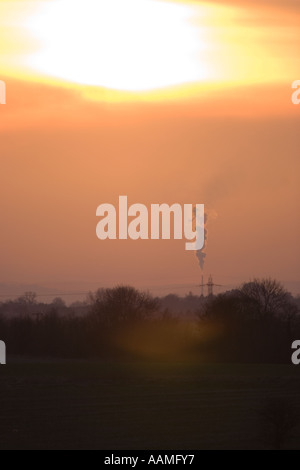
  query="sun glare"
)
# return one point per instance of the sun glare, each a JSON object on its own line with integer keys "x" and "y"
{"x": 118, "y": 50}
{"x": 117, "y": 44}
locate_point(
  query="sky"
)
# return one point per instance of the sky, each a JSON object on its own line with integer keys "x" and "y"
{"x": 162, "y": 101}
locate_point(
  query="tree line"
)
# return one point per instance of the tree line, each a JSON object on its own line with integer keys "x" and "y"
{"x": 255, "y": 323}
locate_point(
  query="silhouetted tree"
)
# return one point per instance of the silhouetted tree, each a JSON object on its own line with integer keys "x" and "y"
{"x": 268, "y": 299}
{"x": 122, "y": 305}
{"x": 58, "y": 303}
{"x": 28, "y": 298}
{"x": 254, "y": 323}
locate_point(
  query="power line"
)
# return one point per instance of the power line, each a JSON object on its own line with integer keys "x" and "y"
{"x": 61, "y": 294}
{"x": 46, "y": 295}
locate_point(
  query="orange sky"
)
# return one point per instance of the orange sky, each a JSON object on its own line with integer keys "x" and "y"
{"x": 228, "y": 139}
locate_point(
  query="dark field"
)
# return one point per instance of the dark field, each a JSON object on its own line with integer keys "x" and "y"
{"x": 142, "y": 405}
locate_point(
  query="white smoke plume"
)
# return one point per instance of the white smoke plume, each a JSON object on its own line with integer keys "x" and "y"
{"x": 201, "y": 254}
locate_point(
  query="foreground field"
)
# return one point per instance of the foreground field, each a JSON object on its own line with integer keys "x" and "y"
{"x": 141, "y": 405}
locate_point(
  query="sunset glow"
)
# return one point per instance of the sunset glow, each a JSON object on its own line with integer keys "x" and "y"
{"x": 162, "y": 101}
{"x": 124, "y": 47}
{"x": 119, "y": 45}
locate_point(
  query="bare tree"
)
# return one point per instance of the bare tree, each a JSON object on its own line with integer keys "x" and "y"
{"x": 268, "y": 298}
{"x": 121, "y": 305}
{"x": 58, "y": 303}
{"x": 28, "y": 298}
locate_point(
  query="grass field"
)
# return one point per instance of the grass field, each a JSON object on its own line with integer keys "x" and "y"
{"x": 139, "y": 405}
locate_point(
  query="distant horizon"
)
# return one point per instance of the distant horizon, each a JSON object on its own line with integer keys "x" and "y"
{"x": 11, "y": 291}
